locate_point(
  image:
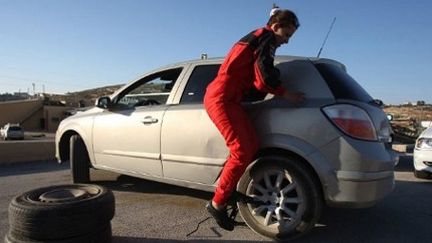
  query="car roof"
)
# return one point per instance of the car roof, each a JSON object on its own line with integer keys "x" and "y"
{"x": 278, "y": 59}
{"x": 219, "y": 60}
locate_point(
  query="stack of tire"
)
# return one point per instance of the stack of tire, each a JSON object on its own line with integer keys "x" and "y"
{"x": 78, "y": 213}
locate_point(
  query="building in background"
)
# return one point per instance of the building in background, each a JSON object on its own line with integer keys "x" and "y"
{"x": 39, "y": 114}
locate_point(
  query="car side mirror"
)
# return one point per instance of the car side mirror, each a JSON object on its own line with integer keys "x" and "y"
{"x": 104, "y": 102}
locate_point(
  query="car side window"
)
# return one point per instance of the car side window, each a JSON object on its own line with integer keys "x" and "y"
{"x": 201, "y": 78}
{"x": 197, "y": 83}
{"x": 151, "y": 90}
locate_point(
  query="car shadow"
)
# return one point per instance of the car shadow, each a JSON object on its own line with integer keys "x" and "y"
{"x": 403, "y": 216}
{"x": 119, "y": 239}
{"x": 131, "y": 184}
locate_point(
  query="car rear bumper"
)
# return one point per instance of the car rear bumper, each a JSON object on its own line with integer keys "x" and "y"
{"x": 361, "y": 173}
{"x": 361, "y": 189}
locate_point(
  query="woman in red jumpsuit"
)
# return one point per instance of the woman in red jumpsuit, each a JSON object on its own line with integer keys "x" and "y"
{"x": 248, "y": 65}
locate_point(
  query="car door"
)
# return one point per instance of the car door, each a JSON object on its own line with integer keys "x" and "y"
{"x": 126, "y": 136}
{"x": 192, "y": 148}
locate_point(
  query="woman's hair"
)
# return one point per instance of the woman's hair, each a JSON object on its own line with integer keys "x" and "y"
{"x": 284, "y": 17}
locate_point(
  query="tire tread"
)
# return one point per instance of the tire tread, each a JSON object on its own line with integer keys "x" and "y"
{"x": 79, "y": 160}
{"x": 59, "y": 220}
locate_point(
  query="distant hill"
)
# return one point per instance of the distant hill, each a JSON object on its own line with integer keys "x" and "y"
{"x": 96, "y": 92}
{"x": 86, "y": 97}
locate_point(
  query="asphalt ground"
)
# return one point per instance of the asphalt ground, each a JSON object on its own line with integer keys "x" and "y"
{"x": 154, "y": 212}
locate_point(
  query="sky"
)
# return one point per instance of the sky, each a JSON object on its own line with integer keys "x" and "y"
{"x": 71, "y": 45}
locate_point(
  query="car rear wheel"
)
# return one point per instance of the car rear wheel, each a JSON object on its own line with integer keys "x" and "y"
{"x": 292, "y": 200}
{"x": 79, "y": 160}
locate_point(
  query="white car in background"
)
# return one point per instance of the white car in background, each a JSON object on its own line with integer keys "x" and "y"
{"x": 12, "y": 131}
{"x": 423, "y": 155}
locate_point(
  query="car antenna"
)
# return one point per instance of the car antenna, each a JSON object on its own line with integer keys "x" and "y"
{"x": 325, "y": 39}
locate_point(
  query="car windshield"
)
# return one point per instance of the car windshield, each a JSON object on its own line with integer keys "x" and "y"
{"x": 16, "y": 129}
{"x": 342, "y": 85}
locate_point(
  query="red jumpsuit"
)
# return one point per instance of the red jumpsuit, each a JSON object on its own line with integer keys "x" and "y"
{"x": 248, "y": 65}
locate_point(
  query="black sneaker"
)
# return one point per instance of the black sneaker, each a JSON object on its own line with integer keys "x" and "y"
{"x": 221, "y": 217}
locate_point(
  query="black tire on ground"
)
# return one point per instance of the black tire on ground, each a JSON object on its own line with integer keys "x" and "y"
{"x": 100, "y": 235}
{"x": 293, "y": 198}
{"x": 79, "y": 160}
{"x": 59, "y": 212}
{"x": 422, "y": 174}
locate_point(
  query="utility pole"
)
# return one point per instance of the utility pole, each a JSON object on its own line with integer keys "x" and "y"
{"x": 34, "y": 90}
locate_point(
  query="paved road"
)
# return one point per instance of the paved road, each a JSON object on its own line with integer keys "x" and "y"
{"x": 153, "y": 212}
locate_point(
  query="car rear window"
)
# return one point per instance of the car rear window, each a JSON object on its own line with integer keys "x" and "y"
{"x": 15, "y": 129}
{"x": 342, "y": 85}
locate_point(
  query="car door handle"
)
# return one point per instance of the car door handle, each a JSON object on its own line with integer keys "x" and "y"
{"x": 149, "y": 120}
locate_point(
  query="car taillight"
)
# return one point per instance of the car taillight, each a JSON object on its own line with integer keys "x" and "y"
{"x": 384, "y": 132}
{"x": 352, "y": 120}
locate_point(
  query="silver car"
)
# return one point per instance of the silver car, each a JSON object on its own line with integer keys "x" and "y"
{"x": 333, "y": 149}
